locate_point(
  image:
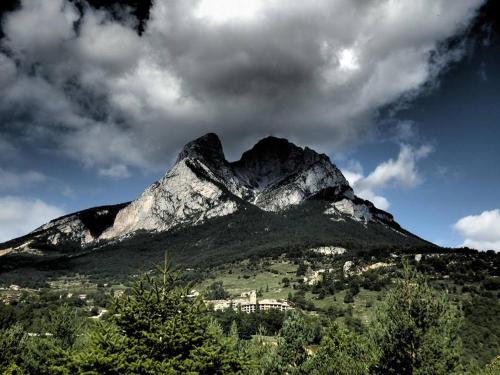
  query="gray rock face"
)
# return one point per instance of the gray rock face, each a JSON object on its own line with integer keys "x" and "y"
{"x": 279, "y": 174}
{"x": 188, "y": 194}
{"x": 274, "y": 175}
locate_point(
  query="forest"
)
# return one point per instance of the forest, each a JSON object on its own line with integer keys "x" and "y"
{"x": 155, "y": 328}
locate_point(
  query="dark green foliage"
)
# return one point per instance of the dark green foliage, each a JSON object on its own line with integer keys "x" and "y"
{"x": 248, "y": 325}
{"x": 64, "y": 324}
{"x": 45, "y": 350}
{"x": 60, "y": 333}
{"x": 349, "y": 297}
{"x": 342, "y": 352}
{"x": 158, "y": 330}
{"x": 302, "y": 269}
{"x": 291, "y": 353}
{"x": 470, "y": 267}
{"x": 301, "y": 302}
{"x": 7, "y": 316}
{"x": 416, "y": 330}
{"x": 12, "y": 347}
{"x": 481, "y": 330}
{"x": 286, "y": 282}
{"x": 216, "y": 291}
{"x": 492, "y": 283}
{"x": 374, "y": 280}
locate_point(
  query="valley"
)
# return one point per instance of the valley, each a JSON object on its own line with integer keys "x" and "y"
{"x": 319, "y": 285}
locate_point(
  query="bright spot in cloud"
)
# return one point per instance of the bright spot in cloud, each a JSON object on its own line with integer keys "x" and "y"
{"x": 229, "y": 10}
{"x": 348, "y": 59}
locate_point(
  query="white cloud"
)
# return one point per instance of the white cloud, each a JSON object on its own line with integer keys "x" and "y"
{"x": 19, "y": 216}
{"x": 229, "y": 10}
{"x": 481, "y": 231}
{"x": 315, "y": 72}
{"x": 33, "y": 43}
{"x": 12, "y": 180}
{"x": 115, "y": 171}
{"x": 401, "y": 172}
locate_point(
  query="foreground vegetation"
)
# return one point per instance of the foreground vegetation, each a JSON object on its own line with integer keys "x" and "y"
{"x": 156, "y": 329}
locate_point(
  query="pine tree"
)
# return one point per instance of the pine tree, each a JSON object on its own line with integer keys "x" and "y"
{"x": 416, "y": 330}
{"x": 158, "y": 330}
{"x": 262, "y": 354}
{"x": 291, "y": 352}
{"x": 12, "y": 345}
{"x": 341, "y": 352}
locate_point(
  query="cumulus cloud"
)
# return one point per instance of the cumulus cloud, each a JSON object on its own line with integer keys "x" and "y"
{"x": 19, "y": 215}
{"x": 481, "y": 231}
{"x": 17, "y": 180}
{"x": 400, "y": 172}
{"x": 316, "y": 72}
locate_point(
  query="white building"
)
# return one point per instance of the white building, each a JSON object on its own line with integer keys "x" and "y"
{"x": 249, "y": 304}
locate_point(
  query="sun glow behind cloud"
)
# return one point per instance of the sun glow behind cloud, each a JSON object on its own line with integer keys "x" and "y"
{"x": 348, "y": 60}
{"x": 229, "y": 10}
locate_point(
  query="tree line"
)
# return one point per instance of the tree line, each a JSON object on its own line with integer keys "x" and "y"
{"x": 157, "y": 329}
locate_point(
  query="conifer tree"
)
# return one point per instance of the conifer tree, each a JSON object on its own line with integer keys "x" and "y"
{"x": 159, "y": 330}
{"x": 341, "y": 352}
{"x": 416, "y": 330}
{"x": 291, "y": 352}
{"x": 12, "y": 345}
{"x": 262, "y": 354}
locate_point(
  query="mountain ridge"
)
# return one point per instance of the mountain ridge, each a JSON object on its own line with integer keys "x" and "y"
{"x": 273, "y": 176}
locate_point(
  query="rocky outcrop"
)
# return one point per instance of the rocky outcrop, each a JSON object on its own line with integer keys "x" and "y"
{"x": 188, "y": 194}
{"x": 274, "y": 175}
{"x": 279, "y": 174}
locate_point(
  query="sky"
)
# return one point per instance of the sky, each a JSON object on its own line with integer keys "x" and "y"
{"x": 98, "y": 97}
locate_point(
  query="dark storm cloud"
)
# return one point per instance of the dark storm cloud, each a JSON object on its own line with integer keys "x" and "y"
{"x": 316, "y": 72}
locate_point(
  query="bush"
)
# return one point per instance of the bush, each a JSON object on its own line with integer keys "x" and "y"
{"x": 492, "y": 283}
{"x": 216, "y": 291}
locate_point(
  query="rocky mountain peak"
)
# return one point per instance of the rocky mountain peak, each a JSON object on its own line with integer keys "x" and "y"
{"x": 274, "y": 175}
{"x": 273, "y": 159}
{"x": 278, "y": 150}
{"x": 207, "y": 147}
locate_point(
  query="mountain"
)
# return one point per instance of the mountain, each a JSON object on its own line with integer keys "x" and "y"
{"x": 294, "y": 197}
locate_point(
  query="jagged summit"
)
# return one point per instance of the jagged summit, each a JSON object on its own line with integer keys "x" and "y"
{"x": 274, "y": 176}
{"x": 279, "y": 149}
{"x": 271, "y": 159}
{"x": 208, "y": 147}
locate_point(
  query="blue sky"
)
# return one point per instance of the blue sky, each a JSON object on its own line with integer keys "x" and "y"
{"x": 404, "y": 97}
{"x": 461, "y": 177}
